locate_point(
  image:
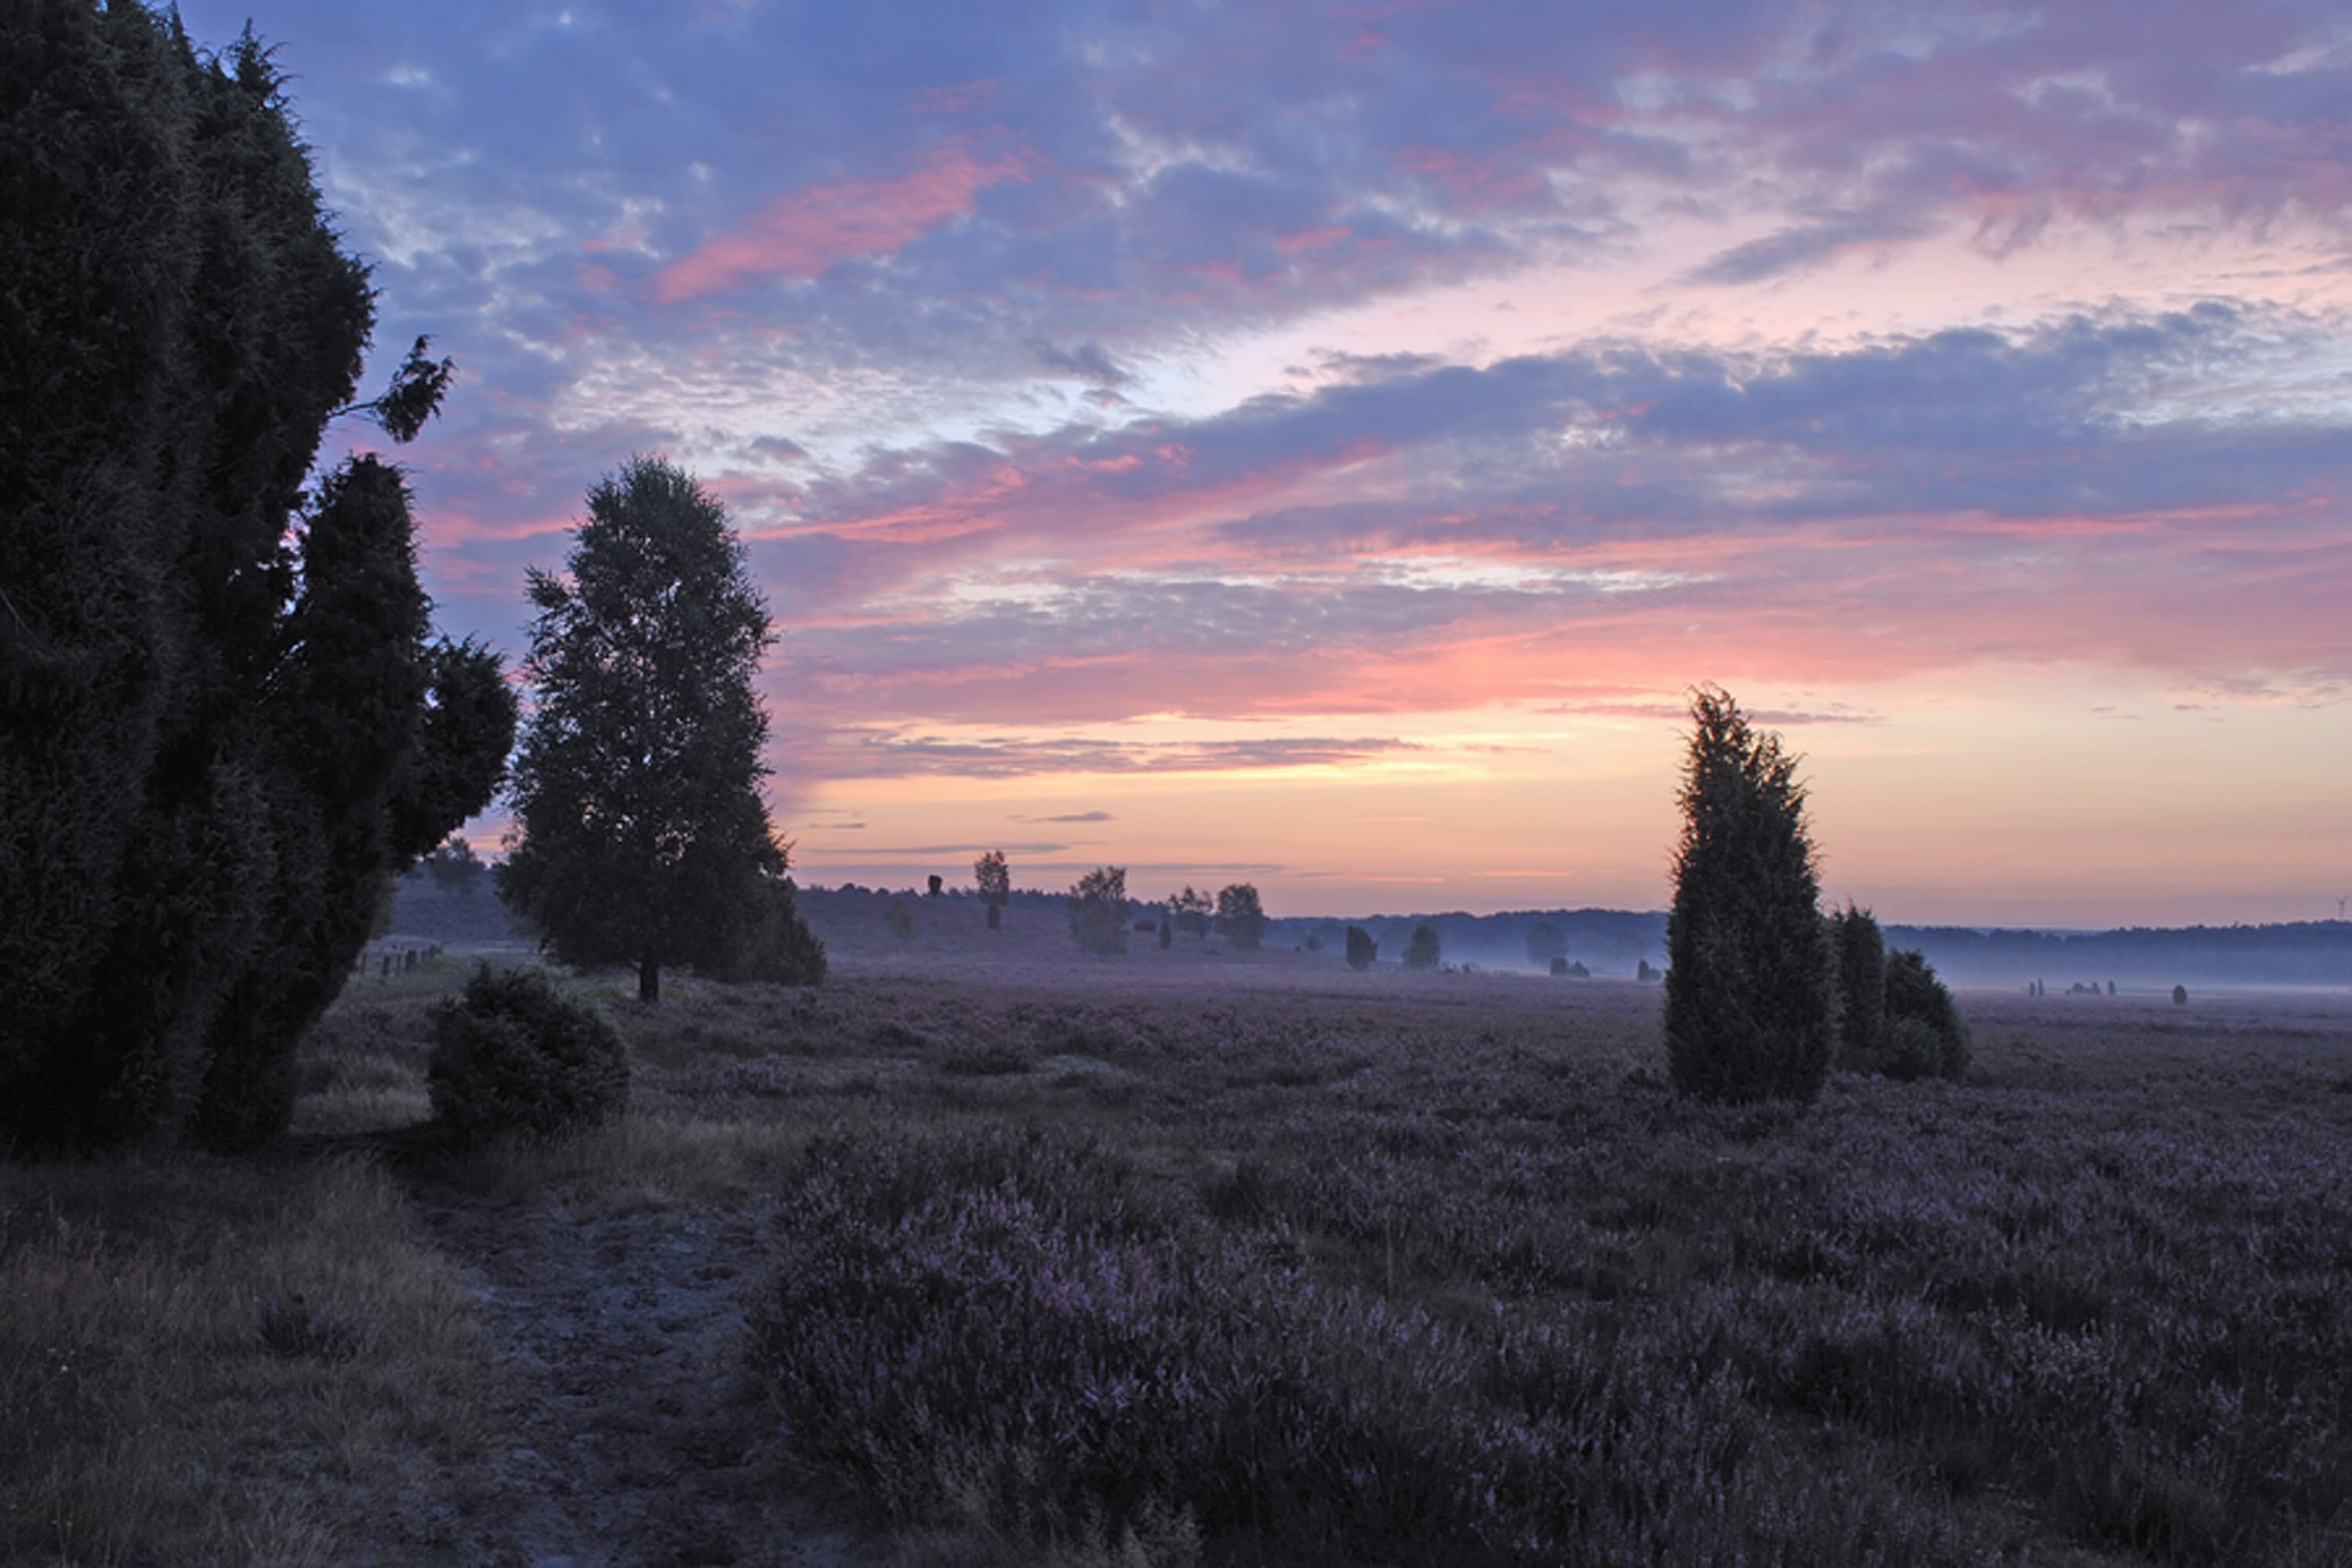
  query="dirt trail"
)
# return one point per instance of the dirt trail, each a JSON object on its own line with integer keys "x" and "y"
{"x": 628, "y": 1441}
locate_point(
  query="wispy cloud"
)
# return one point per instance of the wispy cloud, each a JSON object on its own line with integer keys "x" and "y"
{"x": 875, "y": 754}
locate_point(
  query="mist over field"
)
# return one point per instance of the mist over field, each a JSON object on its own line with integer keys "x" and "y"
{"x": 1611, "y": 944}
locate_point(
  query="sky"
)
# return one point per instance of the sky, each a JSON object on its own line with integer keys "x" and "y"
{"x": 1322, "y": 445}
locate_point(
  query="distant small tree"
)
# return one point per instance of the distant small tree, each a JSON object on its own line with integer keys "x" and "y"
{"x": 1361, "y": 949}
{"x": 1241, "y": 917}
{"x": 995, "y": 885}
{"x": 1098, "y": 911}
{"x": 1751, "y": 999}
{"x": 1424, "y": 948}
{"x": 455, "y": 868}
{"x": 1167, "y": 932}
{"x": 1861, "y": 950}
{"x": 1193, "y": 911}
{"x": 937, "y": 883}
{"x": 1546, "y": 945}
{"x": 2180, "y": 996}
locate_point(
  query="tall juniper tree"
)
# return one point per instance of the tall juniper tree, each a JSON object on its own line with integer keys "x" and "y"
{"x": 641, "y": 836}
{"x": 222, "y": 726}
{"x": 1750, "y": 1000}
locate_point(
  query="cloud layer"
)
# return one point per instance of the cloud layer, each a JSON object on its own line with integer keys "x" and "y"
{"x": 1244, "y": 391}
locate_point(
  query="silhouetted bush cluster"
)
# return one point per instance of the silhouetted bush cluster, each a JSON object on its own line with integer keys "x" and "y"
{"x": 770, "y": 942}
{"x": 1926, "y": 1037}
{"x": 514, "y": 1056}
{"x": 1361, "y": 949}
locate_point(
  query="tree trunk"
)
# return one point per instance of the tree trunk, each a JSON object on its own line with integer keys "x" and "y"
{"x": 648, "y": 980}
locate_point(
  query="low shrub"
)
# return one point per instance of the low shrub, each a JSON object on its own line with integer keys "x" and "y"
{"x": 1923, "y": 1023}
{"x": 513, "y": 1055}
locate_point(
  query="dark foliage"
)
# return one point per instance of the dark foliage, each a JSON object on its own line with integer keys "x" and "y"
{"x": 455, "y": 868}
{"x": 1861, "y": 952}
{"x": 1423, "y": 950}
{"x": 1241, "y": 917}
{"x": 1926, "y": 1036}
{"x": 1750, "y": 1003}
{"x": 1098, "y": 911}
{"x": 1361, "y": 949}
{"x": 221, "y": 716}
{"x": 514, "y": 1056}
{"x": 768, "y": 940}
{"x": 642, "y": 838}
{"x": 1546, "y": 945}
{"x": 1195, "y": 911}
{"x": 995, "y": 882}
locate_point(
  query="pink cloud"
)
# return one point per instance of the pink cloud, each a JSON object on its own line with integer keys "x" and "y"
{"x": 803, "y": 234}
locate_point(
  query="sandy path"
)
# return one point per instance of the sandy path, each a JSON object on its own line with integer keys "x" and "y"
{"x": 629, "y": 1440}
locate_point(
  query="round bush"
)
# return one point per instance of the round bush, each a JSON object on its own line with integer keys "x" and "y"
{"x": 1916, "y": 997}
{"x": 514, "y": 1056}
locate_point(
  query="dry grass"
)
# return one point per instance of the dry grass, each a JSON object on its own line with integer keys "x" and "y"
{"x": 203, "y": 1362}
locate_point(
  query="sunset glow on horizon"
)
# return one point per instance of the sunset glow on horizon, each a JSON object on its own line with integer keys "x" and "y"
{"x": 1322, "y": 447}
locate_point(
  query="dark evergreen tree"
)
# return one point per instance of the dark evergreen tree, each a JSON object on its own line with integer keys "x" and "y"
{"x": 1861, "y": 950}
{"x": 1361, "y": 949}
{"x": 1241, "y": 917}
{"x": 1098, "y": 911}
{"x": 1422, "y": 950}
{"x": 641, "y": 838}
{"x": 1750, "y": 1003}
{"x": 218, "y": 711}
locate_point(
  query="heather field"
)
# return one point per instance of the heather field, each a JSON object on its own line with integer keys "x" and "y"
{"x": 993, "y": 1255}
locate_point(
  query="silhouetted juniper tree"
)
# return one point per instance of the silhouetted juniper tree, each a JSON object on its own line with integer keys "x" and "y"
{"x": 641, "y": 836}
{"x": 1423, "y": 948}
{"x": 1361, "y": 949}
{"x": 222, "y": 723}
{"x": 1750, "y": 1007}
